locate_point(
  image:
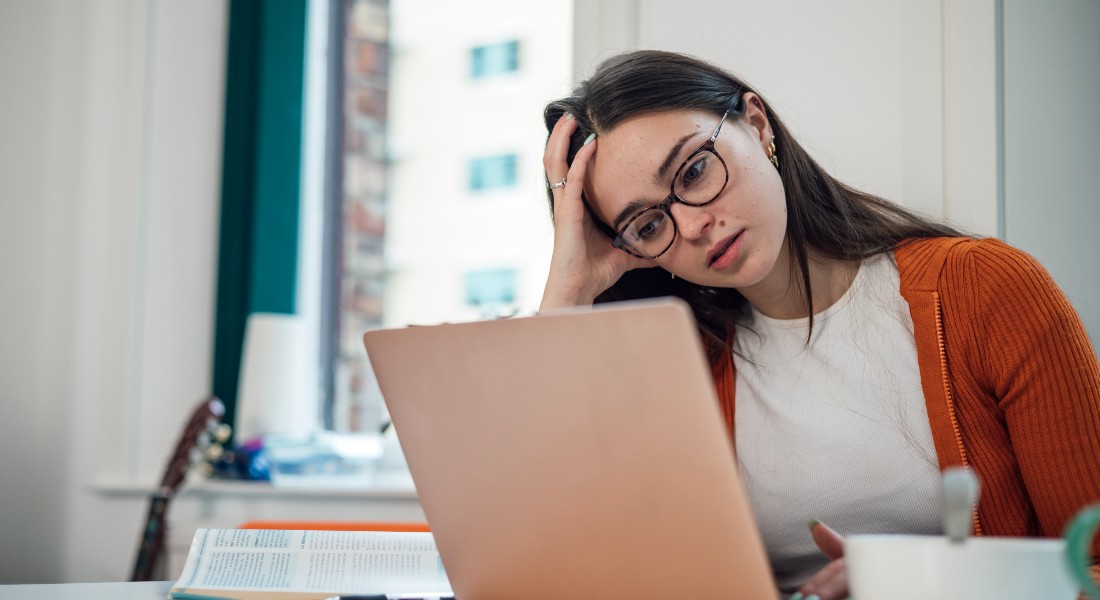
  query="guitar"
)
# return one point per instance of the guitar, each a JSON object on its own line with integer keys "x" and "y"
{"x": 203, "y": 428}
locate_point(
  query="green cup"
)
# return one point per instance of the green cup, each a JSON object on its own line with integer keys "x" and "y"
{"x": 1079, "y": 534}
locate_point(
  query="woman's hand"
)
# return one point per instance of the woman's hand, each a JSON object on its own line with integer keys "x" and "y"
{"x": 584, "y": 263}
{"x": 831, "y": 582}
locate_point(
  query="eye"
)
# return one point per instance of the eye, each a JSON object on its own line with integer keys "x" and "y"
{"x": 694, "y": 171}
{"x": 649, "y": 225}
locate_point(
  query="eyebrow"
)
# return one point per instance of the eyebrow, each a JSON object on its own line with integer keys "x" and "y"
{"x": 658, "y": 176}
{"x": 632, "y": 207}
{"x": 662, "y": 171}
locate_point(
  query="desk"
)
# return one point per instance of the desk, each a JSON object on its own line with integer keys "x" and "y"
{"x": 145, "y": 590}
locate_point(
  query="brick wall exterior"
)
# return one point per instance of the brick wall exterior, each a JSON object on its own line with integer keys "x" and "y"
{"x": 366, "y": 73}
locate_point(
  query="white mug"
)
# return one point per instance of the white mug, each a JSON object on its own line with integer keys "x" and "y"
{"x": 911, "y": 567}
{"x": 914, "y": 567}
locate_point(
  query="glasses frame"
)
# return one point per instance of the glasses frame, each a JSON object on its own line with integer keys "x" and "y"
{"x": 665, "y": 205}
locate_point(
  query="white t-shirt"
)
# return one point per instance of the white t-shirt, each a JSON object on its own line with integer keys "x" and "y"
{"x": 836, "y": 430}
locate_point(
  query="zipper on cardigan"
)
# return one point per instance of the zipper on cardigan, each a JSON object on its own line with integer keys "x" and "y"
{"x": 951, "y": 399}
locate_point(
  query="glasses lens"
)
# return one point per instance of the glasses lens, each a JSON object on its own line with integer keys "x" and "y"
{"x": 649, "y": 233}
{"x": 701, "y": 179}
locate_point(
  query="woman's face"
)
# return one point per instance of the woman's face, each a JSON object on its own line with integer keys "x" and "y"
{"x": 735, "y": 241}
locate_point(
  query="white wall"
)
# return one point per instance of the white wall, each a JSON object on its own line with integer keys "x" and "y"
{"x": 34, "y": 281}
{"x": 900, "y": 97}
{"x": 860, "y": 82}
{"x": 109, "y": 183}
{"x": 1052, "y": 142}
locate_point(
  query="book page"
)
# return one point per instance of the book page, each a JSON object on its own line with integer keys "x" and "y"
{"x": 330, "y": 562}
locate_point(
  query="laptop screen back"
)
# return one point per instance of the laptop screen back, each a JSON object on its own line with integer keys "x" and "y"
{"x": 575, "y": 454}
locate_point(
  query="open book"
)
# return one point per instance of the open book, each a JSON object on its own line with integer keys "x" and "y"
{"x": 304, "y": 565}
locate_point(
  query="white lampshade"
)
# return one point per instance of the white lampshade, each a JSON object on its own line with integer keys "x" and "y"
{"x": 274, "y": 395}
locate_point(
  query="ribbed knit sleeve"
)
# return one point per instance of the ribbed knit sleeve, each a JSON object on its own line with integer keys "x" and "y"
{"x": 1032, "y": 354}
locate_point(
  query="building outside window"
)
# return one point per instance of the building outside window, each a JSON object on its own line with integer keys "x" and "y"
{"x": 427, "y": 122}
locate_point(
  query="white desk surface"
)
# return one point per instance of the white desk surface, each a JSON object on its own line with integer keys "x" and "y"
{"x": 146, "y": 590}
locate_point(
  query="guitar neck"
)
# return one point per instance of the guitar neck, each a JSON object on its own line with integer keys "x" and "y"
{"x": 152, "y": 538}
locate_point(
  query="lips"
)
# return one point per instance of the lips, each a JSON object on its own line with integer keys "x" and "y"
{"x": 718, "y": 250}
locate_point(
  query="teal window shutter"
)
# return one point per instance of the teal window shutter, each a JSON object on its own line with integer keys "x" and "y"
{"x": 261, "y": 175}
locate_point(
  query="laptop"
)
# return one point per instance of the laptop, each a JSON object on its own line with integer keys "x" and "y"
{"x": 576, "y": 454}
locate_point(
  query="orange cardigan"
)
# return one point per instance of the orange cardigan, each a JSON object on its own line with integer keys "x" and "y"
{"x": 1010, "y": 379}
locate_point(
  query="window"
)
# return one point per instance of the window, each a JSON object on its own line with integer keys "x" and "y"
{"x": 409, "y": 138}
{"x": 491, "y": 288}
{"x": 492, "y": 172}
{"x": 494, "y": 59}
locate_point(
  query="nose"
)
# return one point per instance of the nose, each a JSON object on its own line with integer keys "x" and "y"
{"x": 692, "y": 221}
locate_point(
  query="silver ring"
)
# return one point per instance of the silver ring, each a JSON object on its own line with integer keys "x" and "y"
{"x": 557, "y": 185}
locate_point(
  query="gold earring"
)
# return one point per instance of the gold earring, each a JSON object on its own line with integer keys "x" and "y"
{"x": 673, "y": 275}
{"x": 772, "y": 154}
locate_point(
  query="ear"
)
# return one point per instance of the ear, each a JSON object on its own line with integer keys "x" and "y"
{"x": 755, "y": 118}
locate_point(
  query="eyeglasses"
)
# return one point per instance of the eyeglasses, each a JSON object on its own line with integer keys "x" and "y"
{"x": 698, "y": 182}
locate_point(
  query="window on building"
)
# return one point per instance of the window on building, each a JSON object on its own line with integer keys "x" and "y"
{"x": 494, "y": 59}
{"x": 491, "y": 287}
{"x": 493, "y": 172}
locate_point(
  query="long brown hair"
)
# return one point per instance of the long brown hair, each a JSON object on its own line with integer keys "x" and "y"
{"x": 824, "y": 216}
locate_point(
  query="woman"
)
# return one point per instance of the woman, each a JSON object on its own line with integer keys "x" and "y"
{"x": 872, "y": 347}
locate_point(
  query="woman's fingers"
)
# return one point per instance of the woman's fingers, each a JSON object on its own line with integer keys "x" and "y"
{"x": 829, "y": 541}
{"x": 557, "y": 148}
{"x": 554, "y": 158}
{"x": 577, "y": 171}
{"x": 830, "y": 583}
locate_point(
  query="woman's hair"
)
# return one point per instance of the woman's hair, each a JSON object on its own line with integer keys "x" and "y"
{"x": 824, "y": 216}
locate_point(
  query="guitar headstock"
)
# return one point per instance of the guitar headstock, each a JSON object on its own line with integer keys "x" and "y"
{"x": 204, "y": 427}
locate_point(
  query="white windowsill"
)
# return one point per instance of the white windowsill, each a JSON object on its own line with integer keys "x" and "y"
{"x": 387, "y": 484}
